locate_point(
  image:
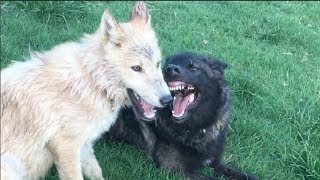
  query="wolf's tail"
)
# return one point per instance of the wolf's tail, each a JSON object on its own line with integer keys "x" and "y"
{"x": 11, "y": 167}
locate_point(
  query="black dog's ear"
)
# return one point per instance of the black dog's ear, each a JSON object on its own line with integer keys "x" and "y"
{"x": 168, "y": 58}
{"x": 217, "y": 64}
{"x": 224, "y": 65}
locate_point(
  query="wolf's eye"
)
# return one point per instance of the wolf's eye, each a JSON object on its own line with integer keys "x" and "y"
{"x": 136, "y": 68}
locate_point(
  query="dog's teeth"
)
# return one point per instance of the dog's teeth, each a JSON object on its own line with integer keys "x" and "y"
{"x": 191, "y": 98}
{"x": 179, "y": 87}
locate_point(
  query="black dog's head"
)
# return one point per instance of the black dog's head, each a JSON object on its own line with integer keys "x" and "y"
{"x": 196, "y": 83}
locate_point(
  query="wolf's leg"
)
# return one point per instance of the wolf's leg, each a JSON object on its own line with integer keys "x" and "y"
{"x": 11, "y": 167}
{"x": 89, "y": 164}
{"x": 231, "y": 173}
{"x": 66, "y": 156}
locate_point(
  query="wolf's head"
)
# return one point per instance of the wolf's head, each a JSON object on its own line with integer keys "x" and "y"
{"x": 132, "y": 49}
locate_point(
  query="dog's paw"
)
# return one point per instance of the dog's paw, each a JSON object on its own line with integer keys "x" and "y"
{"x": 252, "y": 177}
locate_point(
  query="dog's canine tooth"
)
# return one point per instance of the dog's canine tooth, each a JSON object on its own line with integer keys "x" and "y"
{"x": 191, "y": 98}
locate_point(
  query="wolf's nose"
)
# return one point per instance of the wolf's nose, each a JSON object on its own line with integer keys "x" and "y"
{"x": 165, "y": 101}
{"x": 173, "y": 70}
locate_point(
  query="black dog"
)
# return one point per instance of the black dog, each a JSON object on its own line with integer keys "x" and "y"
{"x": 192, "y": 132}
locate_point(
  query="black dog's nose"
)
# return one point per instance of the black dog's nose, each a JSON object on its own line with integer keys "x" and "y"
{"x": 165, "y": 101}
{"x": 173, "y": 70}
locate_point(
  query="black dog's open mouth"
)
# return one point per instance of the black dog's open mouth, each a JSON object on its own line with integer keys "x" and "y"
{"x": 143, "y": 109}
{"x": 185, "y": 97}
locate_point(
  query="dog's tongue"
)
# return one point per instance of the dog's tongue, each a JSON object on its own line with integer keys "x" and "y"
{"x": 148, "y": 109}
{"x": 180, "y": 103}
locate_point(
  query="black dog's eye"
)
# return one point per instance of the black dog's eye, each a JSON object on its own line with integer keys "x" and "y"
{"x": 136, "y": 68}
{"x": 191, "y": 65}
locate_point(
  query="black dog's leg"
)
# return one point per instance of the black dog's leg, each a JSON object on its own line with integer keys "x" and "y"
{"x": 195, "y": 175}
{"x": 127, "y": 129}
{"x": 167, "y": 156}
{"x": 231, "y": 173}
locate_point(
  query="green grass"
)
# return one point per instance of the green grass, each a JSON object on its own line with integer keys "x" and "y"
{"x": 273, "y": 52}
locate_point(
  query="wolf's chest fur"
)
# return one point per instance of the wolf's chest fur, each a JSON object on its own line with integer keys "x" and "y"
{"x": 103, "y": 123}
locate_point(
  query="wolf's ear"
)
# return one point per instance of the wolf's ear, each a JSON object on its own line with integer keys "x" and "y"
{"x": 110, "y": 28}
{"x": 140, "y": 14}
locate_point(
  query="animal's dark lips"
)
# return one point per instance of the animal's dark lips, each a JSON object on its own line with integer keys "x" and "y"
{"x": 135, "y": 98}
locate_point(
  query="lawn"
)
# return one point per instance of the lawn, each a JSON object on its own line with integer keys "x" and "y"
{"x": 273, "y": 52}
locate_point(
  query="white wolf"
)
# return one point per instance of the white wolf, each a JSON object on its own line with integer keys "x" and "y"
{"x": 54, "y": 105}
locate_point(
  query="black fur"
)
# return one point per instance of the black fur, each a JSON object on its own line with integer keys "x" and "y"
{"x": 189, "y": 143}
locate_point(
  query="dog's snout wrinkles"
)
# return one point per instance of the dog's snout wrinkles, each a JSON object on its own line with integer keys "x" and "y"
{"x": 173, "y": 70}
{"x": 166, "y": 100}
